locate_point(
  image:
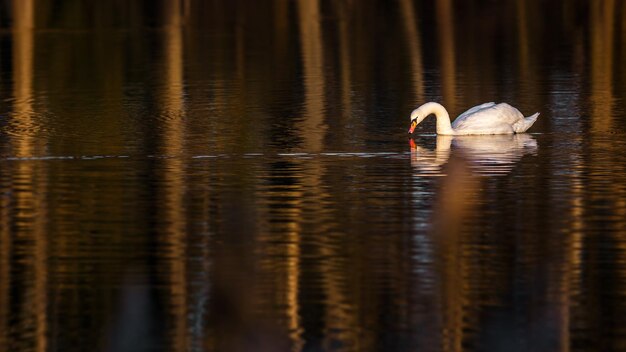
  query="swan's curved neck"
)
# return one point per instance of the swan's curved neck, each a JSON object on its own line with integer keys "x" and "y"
{"x": 444, "y": 126}
{"x": 443, "y": 118}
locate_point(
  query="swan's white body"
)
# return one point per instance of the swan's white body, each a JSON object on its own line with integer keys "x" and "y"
{"x": 488, "y": 118}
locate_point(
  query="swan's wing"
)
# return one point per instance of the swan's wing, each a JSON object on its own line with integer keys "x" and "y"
{"x": 489, "y": 118}
{"x": 475, "y": 109}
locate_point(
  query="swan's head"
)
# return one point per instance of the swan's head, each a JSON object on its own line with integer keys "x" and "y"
{"x": 416, "y": 117}
{"x": 423, "y": 111}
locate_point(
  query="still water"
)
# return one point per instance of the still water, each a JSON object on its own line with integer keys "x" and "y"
{"x": 236, "y": 176}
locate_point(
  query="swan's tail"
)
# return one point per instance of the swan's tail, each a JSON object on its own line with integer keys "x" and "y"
{"x": 524, "y": 124}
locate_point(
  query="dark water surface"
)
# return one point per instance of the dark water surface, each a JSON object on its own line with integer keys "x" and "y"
{"x": 236, "y": 176}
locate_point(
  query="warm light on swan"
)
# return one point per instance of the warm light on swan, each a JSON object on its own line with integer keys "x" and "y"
{"x": 488, "y": 118}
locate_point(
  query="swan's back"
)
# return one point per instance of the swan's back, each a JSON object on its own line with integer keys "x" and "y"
{"x": 476, "y": 109}
{"x": 489, "y": 118}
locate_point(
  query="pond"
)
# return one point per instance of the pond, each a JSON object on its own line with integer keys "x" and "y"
{"x": 234, "y": 176}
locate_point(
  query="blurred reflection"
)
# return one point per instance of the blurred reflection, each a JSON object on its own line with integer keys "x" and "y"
{"x": 415, "y": 51}
{"x": 5, "y": 271}
{"x": 284, "y": 213}
{"x": 23, "y": 75}
{"x": 602, "y": 42}
{"x": 447, "y": 53}
{"x": 528, "y": 77}
{"x": 566, "y": 278}
{"x": 454, "y": 205}
{"x": 345, "y": 52}
{"x": 313, "y": 125}
{"x": 486, "y": 154}
{"x": 171, "y": 206}
{"x": 28, "y": 209}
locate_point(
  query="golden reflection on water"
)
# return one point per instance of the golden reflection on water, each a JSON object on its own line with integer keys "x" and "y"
{"x": 445, "y": 30}
{"x": 415, "y": 51}
{"x": 172, "y": 208}
{"x": 345, "y": 13}
{"x": 285, "y": 203}
{"x": 527, "y": 63}
{"x": 313, "y": 125}
{"x": 29, "y": 181}
{"x": 455, "y": 203}
{"x": 311, "y": 250}
{"x": 602, "y": 42}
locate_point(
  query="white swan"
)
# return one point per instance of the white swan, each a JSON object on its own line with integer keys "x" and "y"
{"x": 488, "y": 118}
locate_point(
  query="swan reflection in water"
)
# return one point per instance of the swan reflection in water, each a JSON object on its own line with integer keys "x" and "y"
{"x": 488, "y": 154}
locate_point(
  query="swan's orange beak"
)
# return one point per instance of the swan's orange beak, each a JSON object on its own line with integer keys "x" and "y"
{"x": 413, "y": 125}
